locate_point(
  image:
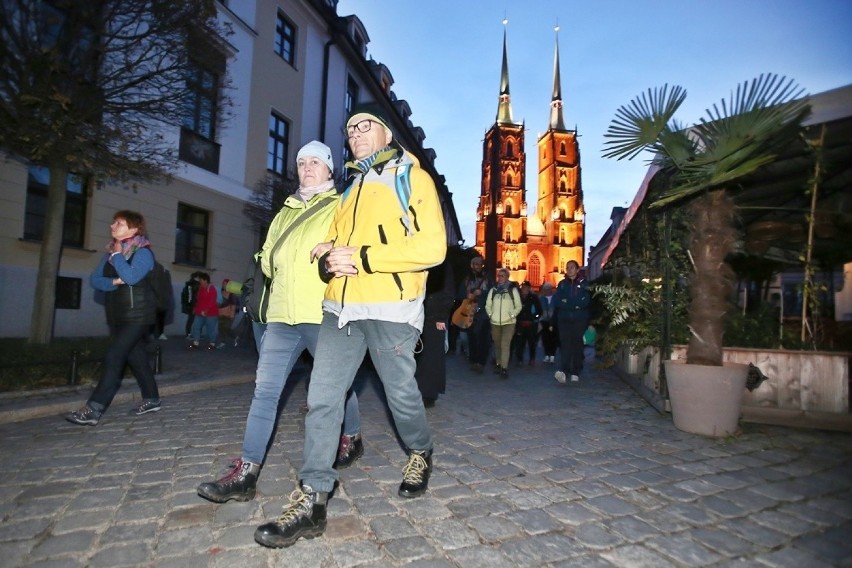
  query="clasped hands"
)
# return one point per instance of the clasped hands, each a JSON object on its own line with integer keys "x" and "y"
{"x": 338, "y": 259}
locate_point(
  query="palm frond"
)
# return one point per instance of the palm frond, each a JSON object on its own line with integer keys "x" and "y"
{"x": 637, "y": 125}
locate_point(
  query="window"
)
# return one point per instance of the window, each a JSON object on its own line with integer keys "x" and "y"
{"x": 285, "y": 39}
{"x": 198, "y": 135}
{"x": 510, "y": 150}
{"x": 351, "y": 99}
{"x": 200, "y": 111}
{"x": 534, "y": 270}
{"x": 191, "y": 235}
{"x": 278, "y": 145}
{"x": 562, "y": 149}
{"x": 74, "y": 224}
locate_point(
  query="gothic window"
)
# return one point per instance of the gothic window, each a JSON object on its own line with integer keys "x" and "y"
{"x": 508, "y": 208}
{"x": 508, "y": 238}
{"x": 562, "y": 150}
{"x": 563, "y": 235}
{"x": 509, "y": 180}
{"x": 562, "y": 186}
{"x": 510, "y": 150}
{"x": 534, "y": 270}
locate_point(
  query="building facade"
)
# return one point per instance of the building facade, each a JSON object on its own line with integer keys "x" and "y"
{"x": 537, "y": 245}
{"x": 295, "y": 69}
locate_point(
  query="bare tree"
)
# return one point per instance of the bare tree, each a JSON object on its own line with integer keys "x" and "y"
{"x": 99, "y": 88}
{"x": 267, "y": 199}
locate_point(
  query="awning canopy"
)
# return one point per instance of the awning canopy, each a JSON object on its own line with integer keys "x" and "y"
{"x": 774, "y": 205}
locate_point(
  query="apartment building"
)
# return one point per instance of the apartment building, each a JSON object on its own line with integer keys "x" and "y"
{"x": 295, "y": 68}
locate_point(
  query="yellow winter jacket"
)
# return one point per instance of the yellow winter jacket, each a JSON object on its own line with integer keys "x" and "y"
{"x": 297, "y": 290}
{"x": 391, "y": 261}
{"x": 503, "y": 305}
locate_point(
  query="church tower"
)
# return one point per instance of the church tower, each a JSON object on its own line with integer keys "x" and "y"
{"x": 535, "y": 248}
{"x": 560, "y": 192}
{"x": 501, "y": 216}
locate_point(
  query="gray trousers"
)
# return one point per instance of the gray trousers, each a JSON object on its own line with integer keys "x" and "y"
{"x": 339, "y": 354}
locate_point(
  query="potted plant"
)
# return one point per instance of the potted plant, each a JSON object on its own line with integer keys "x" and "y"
{"x": 704, "y": 165}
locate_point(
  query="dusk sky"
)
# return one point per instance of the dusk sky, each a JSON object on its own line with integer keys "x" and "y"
{"x": 445, "y": 58}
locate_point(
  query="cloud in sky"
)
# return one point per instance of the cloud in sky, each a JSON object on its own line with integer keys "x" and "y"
{"x": 445, "y": 59}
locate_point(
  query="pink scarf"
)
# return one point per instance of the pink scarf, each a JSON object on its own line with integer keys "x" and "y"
{"x": 306, "y": 193}
{"x": 129, "y": 246}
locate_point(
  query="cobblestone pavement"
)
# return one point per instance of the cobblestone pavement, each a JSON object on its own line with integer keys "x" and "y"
{"x": 528, "y": 472}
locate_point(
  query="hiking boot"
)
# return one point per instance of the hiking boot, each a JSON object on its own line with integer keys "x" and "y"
{"x": 303, "y": 517}
{"x": 239, "y": 484}
{"x": 146, "y": 407}
{"x": 415, "y": 474}
{"x": 560, "y": 377}
{"x": 85, "y": 416}
{"x": 351, "y": 448}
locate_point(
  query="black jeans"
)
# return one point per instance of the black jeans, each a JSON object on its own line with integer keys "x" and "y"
{"x": 571, "y": 344}
{"x": 127, "y": 348}
{"x": 479, "y": 339}
{"x": 526, "y": 336}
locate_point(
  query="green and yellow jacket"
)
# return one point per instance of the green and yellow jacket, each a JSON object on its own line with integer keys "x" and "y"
{"x": 296, "y": 293}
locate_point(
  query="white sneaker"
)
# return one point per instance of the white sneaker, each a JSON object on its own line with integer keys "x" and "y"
{"x": 560, "y": 377}
{"x": 574, "y": 378}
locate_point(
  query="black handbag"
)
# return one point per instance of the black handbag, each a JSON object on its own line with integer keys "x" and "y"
{"x": 257, "y": 285}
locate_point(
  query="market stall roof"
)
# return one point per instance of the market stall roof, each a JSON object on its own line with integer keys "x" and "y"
{"x": 774, "y": 204}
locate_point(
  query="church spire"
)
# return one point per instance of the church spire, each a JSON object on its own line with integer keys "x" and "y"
{"x": 504, "y": 108}
{"x": 556, "y": 121}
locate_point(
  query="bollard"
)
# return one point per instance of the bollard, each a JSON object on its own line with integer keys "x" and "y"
{"x": 72, "y": 371}
{"x": 158, "y": 360}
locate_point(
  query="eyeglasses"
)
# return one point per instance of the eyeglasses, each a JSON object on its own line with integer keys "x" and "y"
{"x": 363, "y": 127}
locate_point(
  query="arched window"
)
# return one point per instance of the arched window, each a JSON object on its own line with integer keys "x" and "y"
{"x": 510, "y": 150}
{"x": 508, "y": 208}
{"x": 562, "y": 187}
{"x": 563, "y": 235}
{"x": 508, "y": 234}
{"x": 534, "y": 270}
{"x": 509, "y": 180}
{"x": 562, "y": 150}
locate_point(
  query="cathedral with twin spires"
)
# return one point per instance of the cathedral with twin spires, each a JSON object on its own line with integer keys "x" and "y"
{"x": 533, "y": 247}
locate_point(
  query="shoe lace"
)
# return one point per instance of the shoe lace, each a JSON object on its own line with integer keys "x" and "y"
{"x": 236, "y": 469}
{"x": 300, "y": 505}
{"x": 345, "y": 446}
{"x": 413, "y": 470}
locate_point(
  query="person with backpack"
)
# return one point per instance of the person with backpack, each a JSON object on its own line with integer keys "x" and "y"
{"x": 187, "y": 301}
{"x": 289, "y": 324}
{"x": 502, "y": 305}
{"x": 388, "y": 230}
{"x": 123, "y": 275}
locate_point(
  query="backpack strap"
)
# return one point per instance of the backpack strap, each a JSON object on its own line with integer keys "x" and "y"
{"x": 402, "y": 182}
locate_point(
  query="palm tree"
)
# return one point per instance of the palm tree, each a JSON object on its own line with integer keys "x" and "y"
{"x": 704, "y": 165}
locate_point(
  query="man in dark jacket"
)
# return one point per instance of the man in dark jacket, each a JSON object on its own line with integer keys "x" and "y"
{"x": 526, "y": 326}
{"x": 572, "y": 301}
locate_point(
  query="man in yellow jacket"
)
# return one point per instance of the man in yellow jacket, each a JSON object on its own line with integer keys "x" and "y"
{"x": 388, "y": 229}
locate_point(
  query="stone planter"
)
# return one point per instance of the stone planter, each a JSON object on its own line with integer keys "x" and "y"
{"x": 706, "y": 400}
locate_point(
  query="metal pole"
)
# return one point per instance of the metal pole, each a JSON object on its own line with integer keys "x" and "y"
{"x": 72, "y": 371}
{"x": 158, "y": 360}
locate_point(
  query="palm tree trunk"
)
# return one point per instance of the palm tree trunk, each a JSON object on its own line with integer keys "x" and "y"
{"x": 713, "y": 236}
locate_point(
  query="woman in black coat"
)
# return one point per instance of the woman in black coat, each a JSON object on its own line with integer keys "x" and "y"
{"x": 431, "y": 373}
